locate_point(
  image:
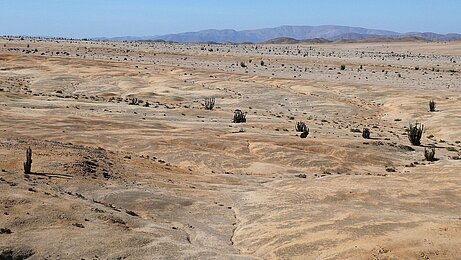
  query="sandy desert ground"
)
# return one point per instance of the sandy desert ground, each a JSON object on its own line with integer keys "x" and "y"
{"x": 113, "y": 178}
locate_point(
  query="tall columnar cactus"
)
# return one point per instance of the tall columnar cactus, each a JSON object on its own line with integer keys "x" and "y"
{"x": 366, "y": 133}
{"x": 28, "y": 162}
{"x": 415, "y": 132}
{"x": 432, "y": 106}
{"x": 209, "y": 103}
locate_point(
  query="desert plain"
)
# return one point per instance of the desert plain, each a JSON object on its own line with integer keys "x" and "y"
{"x": 128, "y": 164}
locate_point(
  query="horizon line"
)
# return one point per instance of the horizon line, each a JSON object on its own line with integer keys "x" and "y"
{"x": 214, "y": 29}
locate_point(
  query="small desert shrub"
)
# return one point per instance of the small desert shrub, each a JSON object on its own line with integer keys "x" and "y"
{"x": 262, "y": 63}
{"x": 414, "y": 133}
{"x": 243, "y": 65}
{"x": 343, "y": 67}
{"x": 366, "y": 133}
{"x": 239, "y": 116}
{"x": 429, "y": 154}
{"x": 209, "y": 103}
{"x": 432, "y": 106}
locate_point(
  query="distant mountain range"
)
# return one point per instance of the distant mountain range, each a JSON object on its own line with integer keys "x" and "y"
{"x": 295, "y": 33}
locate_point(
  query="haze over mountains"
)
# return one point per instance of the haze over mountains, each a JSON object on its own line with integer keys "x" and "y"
{"x": 323, "y": 32}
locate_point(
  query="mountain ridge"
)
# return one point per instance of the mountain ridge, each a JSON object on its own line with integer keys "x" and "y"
{"x": 300, "y": 33}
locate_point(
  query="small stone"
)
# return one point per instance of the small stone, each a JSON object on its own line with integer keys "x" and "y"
{"x": 79, "y": 225}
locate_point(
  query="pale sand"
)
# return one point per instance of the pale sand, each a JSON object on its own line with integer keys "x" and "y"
{"x": 221, "y": 190}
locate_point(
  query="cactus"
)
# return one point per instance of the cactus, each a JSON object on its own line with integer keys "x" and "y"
{"x": 28, "y": 162}
{"x": 134, "y": 101}
{"x": 414, "y": 133}
{"x": 432, "y": 106}
{"x": 239, "y": 116}
{"x": 300, "y": 126}
{"x": 305, "y": 132}
{"x": 209, "y": 103}
{"x": 366, "y": 133}
{"x": 429, "y": 154}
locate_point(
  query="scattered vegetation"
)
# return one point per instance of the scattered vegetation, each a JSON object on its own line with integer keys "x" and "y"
{"x": 239, "y": 116}
{"x": 28, "y": 162}
{"x": 432, "y": 106}
{"x": 343, "y": 67}
{"x": 134, "y": 101}
{"x": 242, "y": 64}
{"x": 305, "y": 133}
{"x": 5, "y": 231}
{"x": 415, "y": 133}
{"x": 429, "y": 154}
{"x": 366, "y": 133}
{"x": 302, "y": 127}
{"x": 209, "y": 103}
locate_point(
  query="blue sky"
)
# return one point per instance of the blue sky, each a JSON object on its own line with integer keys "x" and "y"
{"x": 92, "y": 18}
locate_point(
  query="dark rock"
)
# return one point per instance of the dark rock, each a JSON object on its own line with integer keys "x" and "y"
{"x": 132, "y": 213}
{"x": 79, "y": 225}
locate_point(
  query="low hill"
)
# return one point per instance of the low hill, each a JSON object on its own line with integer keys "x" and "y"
{"x": 287, "y": 40}
{"x": 327, "y": 32}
